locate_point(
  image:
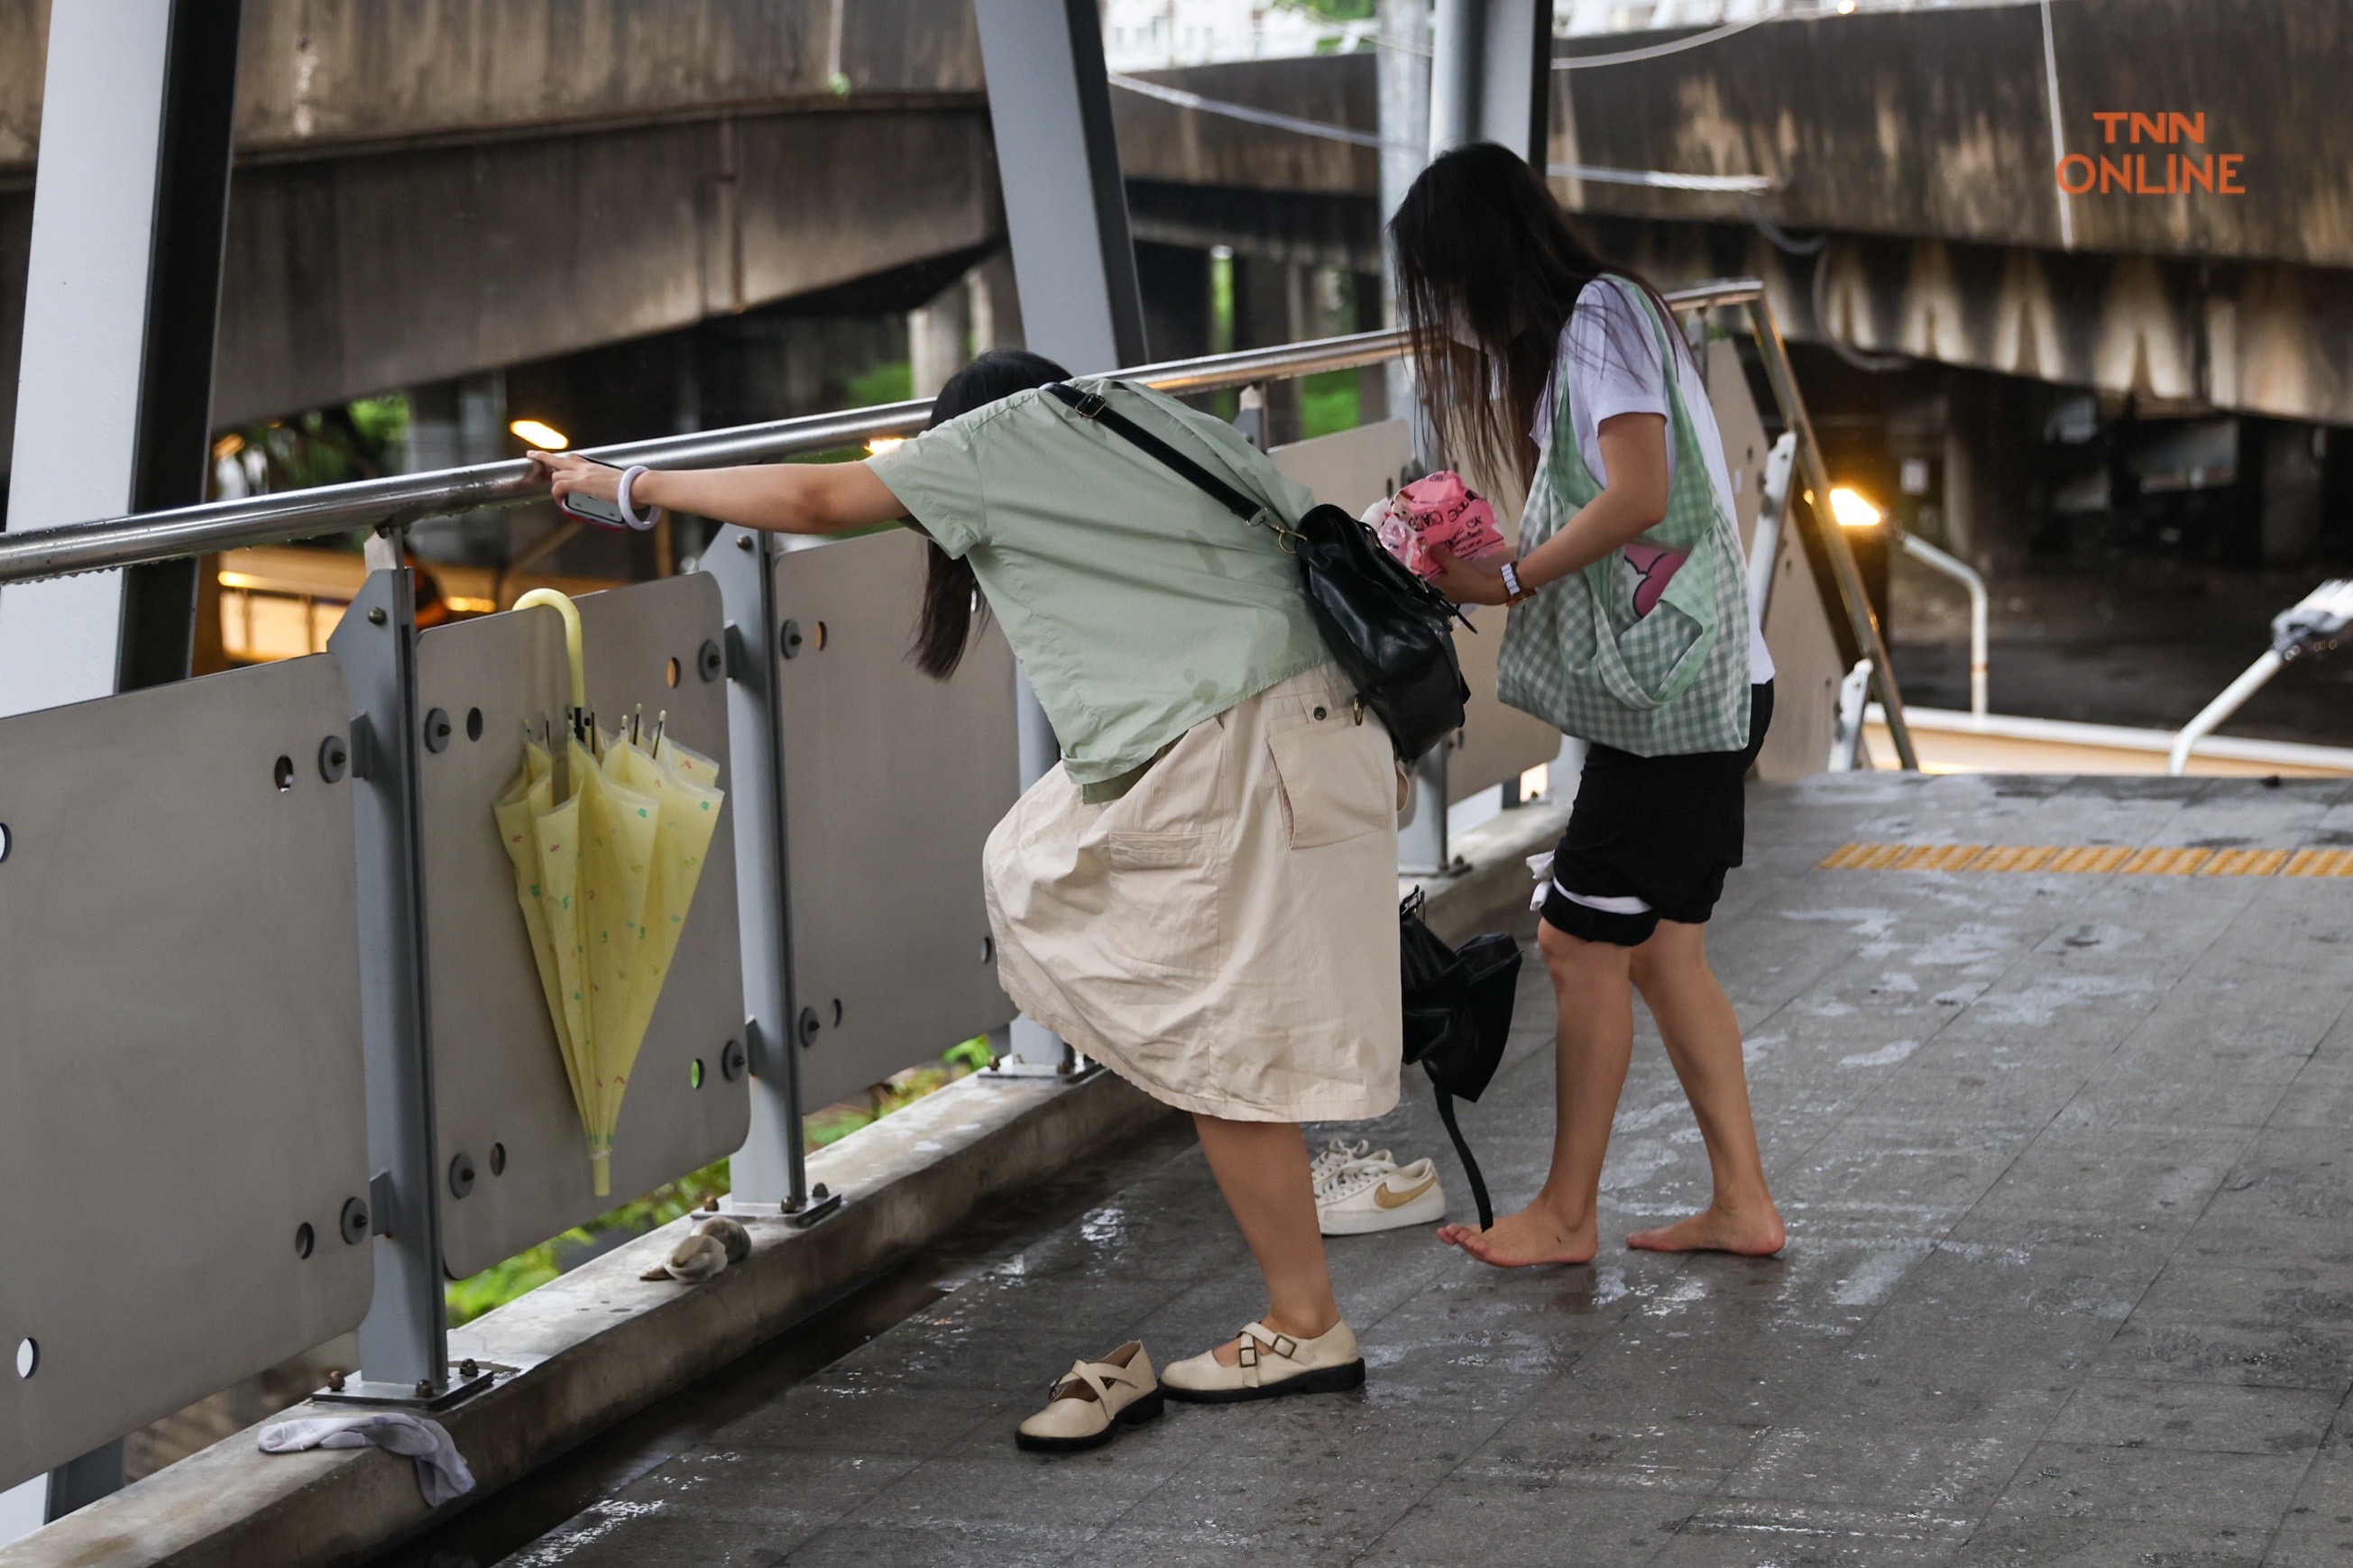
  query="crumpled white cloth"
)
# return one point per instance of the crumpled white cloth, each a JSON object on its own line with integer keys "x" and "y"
{"x": 441, "y": 1472}
{"x": 1540, "y": 868}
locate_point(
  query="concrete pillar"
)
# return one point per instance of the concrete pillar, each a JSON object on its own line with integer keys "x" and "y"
{"x": 2292, "y": 457}
{"x": 996, "y": 305}
{"x": 450, "y": 425}
{"x": 937, "y": 335}
{"x": 1373, "y": 402}
{"x": 1175, "y": 280}
{"x": 1269, "y": 308}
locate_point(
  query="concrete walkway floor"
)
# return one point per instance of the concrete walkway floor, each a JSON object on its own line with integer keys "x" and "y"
{"x": 2067, "y": 1159}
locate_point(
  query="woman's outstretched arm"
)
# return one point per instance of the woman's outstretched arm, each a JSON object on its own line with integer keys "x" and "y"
{"x": 1634, "y": 456}
{"x": 783, "y": 498}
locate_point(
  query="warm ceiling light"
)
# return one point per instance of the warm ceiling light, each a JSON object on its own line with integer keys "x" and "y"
{"x": 1846, "y": 7}
{"x": 1851, "y": 511}
{"x": 547, "y": 438}
{"x": 881, "y": 444}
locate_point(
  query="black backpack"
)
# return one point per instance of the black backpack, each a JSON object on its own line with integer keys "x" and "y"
{"x": 1390, "y": 633}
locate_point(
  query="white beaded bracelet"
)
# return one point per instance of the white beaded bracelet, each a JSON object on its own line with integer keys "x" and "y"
{"x": 629, "y": 512}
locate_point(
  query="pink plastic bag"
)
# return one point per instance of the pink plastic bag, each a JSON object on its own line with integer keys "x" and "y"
{"x": 1438, "y": 509}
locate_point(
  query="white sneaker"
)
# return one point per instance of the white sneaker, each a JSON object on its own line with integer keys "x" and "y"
{"x": 1338, "y": 1156}
{"x": 1376, "y": 1194}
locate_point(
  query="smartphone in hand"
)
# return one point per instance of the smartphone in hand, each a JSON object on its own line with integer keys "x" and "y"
{"x": 590, "y": 509}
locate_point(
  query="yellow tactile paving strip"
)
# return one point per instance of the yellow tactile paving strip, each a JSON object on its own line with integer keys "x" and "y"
{"x": 2090, "y": 858}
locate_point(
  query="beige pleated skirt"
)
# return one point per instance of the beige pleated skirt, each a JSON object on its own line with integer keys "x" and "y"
{"x": 1225, "y": 935}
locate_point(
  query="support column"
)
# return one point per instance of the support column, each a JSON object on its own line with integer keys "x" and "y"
{"x": 1515, "y": 78}
{"x": 937, "y": 335}
{"x": 1066, "y": 211}
{"x": 114, "y": 382}
{"x": 1057, "y": 160}
{"x": 1405, "y": 143}
{"x": 1490, "y": 75}
{"x": 996, "y": 305}
{"x": 114, "y": 387}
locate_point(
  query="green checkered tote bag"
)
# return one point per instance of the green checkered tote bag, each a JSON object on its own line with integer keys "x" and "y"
{"x": 1646, "y": 649}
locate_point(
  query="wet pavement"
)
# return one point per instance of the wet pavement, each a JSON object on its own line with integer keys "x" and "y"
{"x": 2067, "y": 1159}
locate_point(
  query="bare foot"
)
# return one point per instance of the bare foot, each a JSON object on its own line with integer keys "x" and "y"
{"x": 1757, "y": 1233}
{"x": 1524, "y": 1239}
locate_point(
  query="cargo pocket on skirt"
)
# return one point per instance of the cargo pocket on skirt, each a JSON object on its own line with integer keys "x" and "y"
{"x": 1161, "y": 905}
{"x": 1337, "y": 779}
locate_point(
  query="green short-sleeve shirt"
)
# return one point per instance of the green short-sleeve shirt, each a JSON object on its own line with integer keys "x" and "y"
{"x": 1138, "y": 606}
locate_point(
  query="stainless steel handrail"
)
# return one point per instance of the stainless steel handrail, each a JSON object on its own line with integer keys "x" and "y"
{"x": 404, "y": 498}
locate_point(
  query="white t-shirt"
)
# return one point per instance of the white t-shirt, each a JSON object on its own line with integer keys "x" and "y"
{"x": 1610, "y": 352}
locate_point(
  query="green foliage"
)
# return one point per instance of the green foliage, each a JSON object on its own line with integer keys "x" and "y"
{"x": 892, "y": 383}
{"x": 325, "y": 446}
{"x": 502, "y": 1282}
{"x": 1327, "y": 403}
{"x": 972, "y": 1056}
{"x": 1332, "y": 10}
{"x": 1221, "y": 303}
{"x": 382, "y": 421}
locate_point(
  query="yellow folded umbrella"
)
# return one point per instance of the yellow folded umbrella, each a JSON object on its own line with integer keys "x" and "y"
{"x": 607, "y": 850}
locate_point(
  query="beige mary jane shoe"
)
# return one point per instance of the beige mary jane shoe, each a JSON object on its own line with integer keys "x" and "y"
{"x": 1090, "y": 1403}
{"x": 1271, "y": 1365}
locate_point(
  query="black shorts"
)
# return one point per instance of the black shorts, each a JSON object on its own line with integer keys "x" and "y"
{"x": 1650, "y": 839}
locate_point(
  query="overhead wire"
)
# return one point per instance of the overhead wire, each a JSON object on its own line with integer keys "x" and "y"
{"x": 1657, "y": 51}
{"x": 1741, "y": 185}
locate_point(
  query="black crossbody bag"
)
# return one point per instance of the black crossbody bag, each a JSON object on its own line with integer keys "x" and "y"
{"x": 1390, "y": 633}
{"x": 1457, "y": 1018}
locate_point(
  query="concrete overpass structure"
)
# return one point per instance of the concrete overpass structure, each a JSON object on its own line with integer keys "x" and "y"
{"x": 422, "y": 193}
{"x": 462, "y": 190}
{"x": 1923, "y": 145}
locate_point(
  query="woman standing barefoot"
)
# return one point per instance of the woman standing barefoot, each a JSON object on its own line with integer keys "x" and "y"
{"x": 1630, "y": 629}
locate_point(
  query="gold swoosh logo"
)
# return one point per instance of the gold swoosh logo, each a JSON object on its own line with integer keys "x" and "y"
{"x": 1389, "y": 1200}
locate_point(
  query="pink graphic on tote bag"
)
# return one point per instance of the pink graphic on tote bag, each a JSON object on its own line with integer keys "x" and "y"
{"x": 1440, "y": 510}
{"x": 1654, "y": 566}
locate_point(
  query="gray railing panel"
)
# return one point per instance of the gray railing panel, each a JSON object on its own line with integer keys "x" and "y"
{"x": 892, "y": 782}
{"x": 502, "y": 1102}
{"x": 179, "y": 1068}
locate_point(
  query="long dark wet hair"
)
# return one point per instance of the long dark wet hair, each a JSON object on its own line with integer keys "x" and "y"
{"x": 1480, "y": 240}
{"x": 951, "y": 592}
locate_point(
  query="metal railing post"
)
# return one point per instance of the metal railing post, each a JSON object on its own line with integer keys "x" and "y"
{"x": 2233, "y": 697}
{"x": 1422, "y": 847}
{"x": 1025, "y": 1047}
{"x": 1981, "y": 610}
{"x": 1783, "y": 378}
{"x": 1765, "y": 548}
{"x": 771, "y": 1167}
{"x": 404, "y": 1342}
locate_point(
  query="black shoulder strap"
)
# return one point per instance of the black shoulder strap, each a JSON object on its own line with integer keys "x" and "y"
{"x": 1090, "y": 406}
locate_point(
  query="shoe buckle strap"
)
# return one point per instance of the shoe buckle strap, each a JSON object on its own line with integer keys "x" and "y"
{"x": 1097, "y": 1376}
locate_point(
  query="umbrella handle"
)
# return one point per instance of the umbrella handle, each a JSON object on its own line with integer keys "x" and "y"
{"x": 563, "y": 606}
